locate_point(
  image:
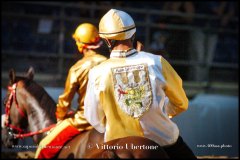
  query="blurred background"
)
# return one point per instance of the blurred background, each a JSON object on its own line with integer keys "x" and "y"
{"x": 199, "y": 39}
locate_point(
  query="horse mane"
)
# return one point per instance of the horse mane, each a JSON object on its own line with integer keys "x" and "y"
{"x": 39, "y": 93}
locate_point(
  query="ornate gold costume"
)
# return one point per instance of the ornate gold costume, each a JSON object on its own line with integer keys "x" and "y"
{"x": 87, "y": 40}
{"x": 76, "y": 82}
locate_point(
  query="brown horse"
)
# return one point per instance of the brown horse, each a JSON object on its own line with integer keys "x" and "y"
{"x": 30, "y": 109}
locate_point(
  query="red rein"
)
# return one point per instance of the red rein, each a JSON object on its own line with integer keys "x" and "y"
{"x": 12, "y": 90}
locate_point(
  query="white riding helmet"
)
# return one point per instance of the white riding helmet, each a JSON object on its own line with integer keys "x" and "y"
{"x": 116, "y": 25}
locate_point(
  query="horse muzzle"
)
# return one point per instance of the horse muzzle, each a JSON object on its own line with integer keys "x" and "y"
{"x": 8, "y": 138}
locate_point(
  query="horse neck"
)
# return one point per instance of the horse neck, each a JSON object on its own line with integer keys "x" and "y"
{"x": 41, "y": 113}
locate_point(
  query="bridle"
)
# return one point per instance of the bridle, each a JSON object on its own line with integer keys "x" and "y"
{"x": 13, "y": 98}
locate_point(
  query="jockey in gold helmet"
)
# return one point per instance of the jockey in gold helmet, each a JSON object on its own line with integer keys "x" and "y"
{"x": 87, "y": 41}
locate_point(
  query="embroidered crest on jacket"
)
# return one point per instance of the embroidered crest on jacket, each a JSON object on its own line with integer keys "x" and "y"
{"x": 132, "y": 89}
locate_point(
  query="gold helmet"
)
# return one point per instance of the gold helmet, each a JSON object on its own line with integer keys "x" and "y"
{"x": 86, "y": 36}
{"x": 116, "y": 25}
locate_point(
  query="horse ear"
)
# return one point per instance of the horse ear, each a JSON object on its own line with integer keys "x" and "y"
{"x": 30, "y": 73}
{"x": 12, "y": 76}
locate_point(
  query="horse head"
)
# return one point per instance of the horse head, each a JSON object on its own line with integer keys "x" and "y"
{"x": 23, "y": 112}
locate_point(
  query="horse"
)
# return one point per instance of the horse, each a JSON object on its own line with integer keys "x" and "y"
{"x": 29, "y": 108}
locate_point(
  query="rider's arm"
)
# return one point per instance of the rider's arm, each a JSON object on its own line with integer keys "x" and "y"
{"x": 93, "y": 111}
{"x": 178, "y": 101}
{"x": 65, "y": 99}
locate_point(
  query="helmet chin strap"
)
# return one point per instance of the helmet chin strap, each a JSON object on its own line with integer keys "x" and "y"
{"x": 110, "y": 43}
{"x": 133, "y": 37}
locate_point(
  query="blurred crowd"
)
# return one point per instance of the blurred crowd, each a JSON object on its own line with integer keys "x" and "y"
{"x": 205, "y": 42}
{"x": 184, "y": 30}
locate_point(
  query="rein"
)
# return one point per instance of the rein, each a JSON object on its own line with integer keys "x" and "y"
{"x": 34, "y": 133}
{"x": 12, "y": 97}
